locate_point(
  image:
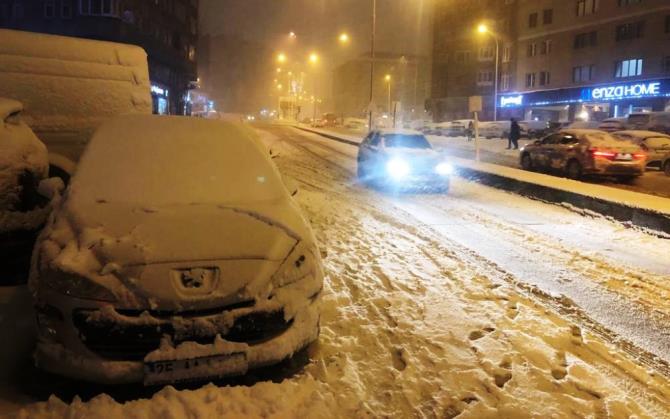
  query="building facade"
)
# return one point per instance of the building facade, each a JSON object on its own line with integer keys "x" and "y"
{"x": 405, "y": 90}
{"x": 166, "y": 29}
{"x": 561, "y": 60}
{"x": 464, "y": 59}
{"x": 590, "y": 59}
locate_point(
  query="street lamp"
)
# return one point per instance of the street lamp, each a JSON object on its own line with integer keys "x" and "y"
{"x": 281, "y": 58}
{"x": 313, "y": 60}
{"x": 344, "y": 38}
{"x": 292, "y": 35}
{"x": 372, "y": 60}
{"x": 484, "y": 30}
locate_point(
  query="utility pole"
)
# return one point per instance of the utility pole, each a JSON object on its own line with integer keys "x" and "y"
{"x": 372, "y": 60}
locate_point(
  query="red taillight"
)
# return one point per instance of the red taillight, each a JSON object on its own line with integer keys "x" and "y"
{"x": 639, "y": 156}
{"x": 603, "y": 154}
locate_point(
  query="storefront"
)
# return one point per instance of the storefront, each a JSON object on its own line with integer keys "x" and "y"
{"x": 160, "y": 99}
{"x": 590, "y": 103}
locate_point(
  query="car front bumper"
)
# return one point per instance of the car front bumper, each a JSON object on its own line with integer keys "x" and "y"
{"x": 120, "y": 347}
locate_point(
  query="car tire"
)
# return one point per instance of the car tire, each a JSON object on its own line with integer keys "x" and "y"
{"x": 527, "y": 162}
{"x": 666, "y": 168}
{"x": 573, "y": 170}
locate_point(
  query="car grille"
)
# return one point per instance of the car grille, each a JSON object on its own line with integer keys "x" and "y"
{"x": 132, "y": 342}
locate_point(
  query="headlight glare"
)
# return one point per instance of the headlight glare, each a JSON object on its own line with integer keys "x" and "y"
{"x": 397, "y": 168}
{"x": 444, "y": 169}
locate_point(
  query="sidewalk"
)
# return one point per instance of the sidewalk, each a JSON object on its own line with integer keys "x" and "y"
{"x": 640, "y": 209}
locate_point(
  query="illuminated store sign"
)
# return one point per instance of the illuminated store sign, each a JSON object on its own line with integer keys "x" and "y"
{"x": 626, "y": 91}
{"x": 159, "y": 90}
{"x": 511, "y": 101}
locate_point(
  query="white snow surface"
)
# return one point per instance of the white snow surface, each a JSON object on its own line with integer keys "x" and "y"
{"x": 412, "y": 326}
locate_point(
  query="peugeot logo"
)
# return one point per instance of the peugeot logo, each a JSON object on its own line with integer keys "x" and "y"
{"x": 197, "y": 280}
{"x": 191, "y": 279}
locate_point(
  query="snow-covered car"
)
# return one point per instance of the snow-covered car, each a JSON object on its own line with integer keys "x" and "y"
{"x": 457, "y": 128}
{"x": 578, "y": 152}
{"x": 655, "y": 144}
{"x": 24, "y": 163}
{"x": 401, "y": 158}
{"x": 612, "y": 124}
{"x": 177, "y": 254}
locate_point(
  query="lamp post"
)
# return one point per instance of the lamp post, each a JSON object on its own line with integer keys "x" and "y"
{"x": 313, "y": 60}
{"x": 387, "y": 78}
{"x": 372, "y": 59}
{"x": 483, "y": 29}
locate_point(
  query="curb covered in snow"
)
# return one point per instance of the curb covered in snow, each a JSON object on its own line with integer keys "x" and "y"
{"x": 643, "y": 210}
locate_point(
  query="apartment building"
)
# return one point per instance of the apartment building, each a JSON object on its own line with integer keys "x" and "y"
{"x": 589, "y": 59}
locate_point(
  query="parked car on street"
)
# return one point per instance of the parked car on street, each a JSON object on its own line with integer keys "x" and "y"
{"x": 24, "y": 164}
{"x": 499, "y": 129}
{"x": 578, "y": 152}
{"x": 612, "y": 124}
{"x": 457, "y": 128}
{"x": 649, "y": 121}
{"x": 655, "y": 144}
{"x": 177, "y": 254}
{"x": 358, "y": 124}
{"x": 400, "y": 158}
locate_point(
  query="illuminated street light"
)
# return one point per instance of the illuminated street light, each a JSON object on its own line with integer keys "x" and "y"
{"x": 281, "y": 58}
{"x": 313, "y": 58}
{"x": 387, "y": 78}
{"x": 292, "y": 35}
{"x": 279, "y": 87}
{"x": 482, "y": 28}
{"x": 278, "y": 70}
{"x": 344, "y": 38}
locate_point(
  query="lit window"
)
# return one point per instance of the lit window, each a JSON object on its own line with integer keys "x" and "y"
{"x": 628, "y": 68}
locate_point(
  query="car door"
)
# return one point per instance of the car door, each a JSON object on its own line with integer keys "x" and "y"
{"x": 656, "y": 147}
{"x": 540, "y": 154}
{"x": 565, "y": 147}
{"x": 364, "y": 147}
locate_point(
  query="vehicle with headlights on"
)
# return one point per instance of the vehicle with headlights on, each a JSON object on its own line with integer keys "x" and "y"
{"x": 177, "y": 254}
{"x": 401, "y": 158}
{"x": 578, "y": 152}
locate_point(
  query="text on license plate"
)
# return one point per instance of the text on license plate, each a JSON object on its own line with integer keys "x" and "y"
{"x": 174, "y": 371}
{"x": 624, "y": 156}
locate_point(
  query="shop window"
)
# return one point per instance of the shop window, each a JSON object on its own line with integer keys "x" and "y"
{"x": 545, "y": 47}
{"x": 486, "y": 53}
{"x": 628, "y": 68}
{"x": 548, "y": 16}
{"x": 532, "y": 20}
{"x": 66, "y": 9}
{"x": 587, "y": 7}
{"x": 50, "y": 9}
{"x": 630, "y": 31}
{"x": 545, "y": 78}
{"x": 485, "y": 78}
{"x": 530, "y": 79}
{"x": 585, "y": 40}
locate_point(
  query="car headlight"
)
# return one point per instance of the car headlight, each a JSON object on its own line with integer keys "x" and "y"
{"x": 397, "y": 168}
{"x": 444, "y": 169}
{"x": 75, "y": 286}
{"x": 299, "y": 264}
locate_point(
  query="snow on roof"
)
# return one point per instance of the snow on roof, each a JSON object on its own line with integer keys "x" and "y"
{"x": 641, "y": 133}
{"x": 8, "y": 107}
{"x": 160, "y": 160}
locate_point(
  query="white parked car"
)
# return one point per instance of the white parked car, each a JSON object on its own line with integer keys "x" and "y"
{"x": 655, "y": 144}
{"x": 457, "y": 128}
{"x": 649, "y": 121}
{"x": 612, "y": 124}
{"x": 177, "y": 254}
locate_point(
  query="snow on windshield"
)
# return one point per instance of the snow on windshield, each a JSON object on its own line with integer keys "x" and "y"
{"x": 162, "y": 160}
{"x": 406, "y": 141}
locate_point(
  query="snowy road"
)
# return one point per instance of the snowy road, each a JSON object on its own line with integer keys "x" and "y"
{"x": 473, "y": 304}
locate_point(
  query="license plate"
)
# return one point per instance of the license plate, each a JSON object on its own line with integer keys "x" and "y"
{"x": 210, "y": 367}
{"x": 624, "y": 156}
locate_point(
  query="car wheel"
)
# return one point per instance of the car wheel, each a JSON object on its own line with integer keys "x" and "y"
{"x": 666, "y": 168}
{"x": 573, "y": 170}
{"x": 526, "y": 162}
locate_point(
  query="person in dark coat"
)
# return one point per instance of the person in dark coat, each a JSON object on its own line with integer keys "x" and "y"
{"x": 514, "y": 135}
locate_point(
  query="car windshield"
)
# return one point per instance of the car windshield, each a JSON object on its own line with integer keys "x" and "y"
{"x": 406, "y": 141}
{"x": 171, "y": 160}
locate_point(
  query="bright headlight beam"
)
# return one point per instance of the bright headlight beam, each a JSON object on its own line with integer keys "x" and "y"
{"x": 397, "y": 168}
{"x": 444, "y": 169}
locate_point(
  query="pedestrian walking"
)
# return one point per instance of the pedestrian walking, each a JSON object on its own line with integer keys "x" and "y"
{"x": 471, "y": 130}
{"x": 514, "y": 135}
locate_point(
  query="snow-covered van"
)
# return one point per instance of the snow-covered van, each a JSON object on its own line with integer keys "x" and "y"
{"x": 69, "y": 86}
